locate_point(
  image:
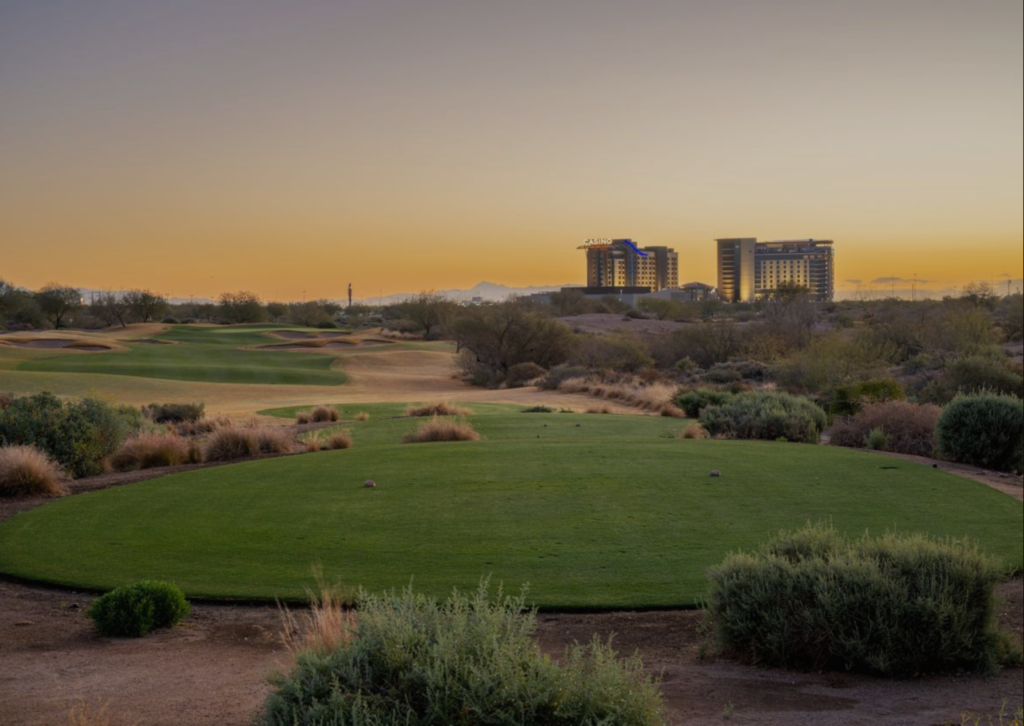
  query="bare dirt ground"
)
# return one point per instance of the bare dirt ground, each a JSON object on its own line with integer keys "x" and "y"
{"x": 211, "y": 671}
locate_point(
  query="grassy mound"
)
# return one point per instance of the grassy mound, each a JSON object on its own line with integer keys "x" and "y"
{"x": 591, "y": 511}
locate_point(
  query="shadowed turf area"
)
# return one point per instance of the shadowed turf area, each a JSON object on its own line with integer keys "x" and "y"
{"x": 593, "y": 512}
{"x": 210, "y": 354}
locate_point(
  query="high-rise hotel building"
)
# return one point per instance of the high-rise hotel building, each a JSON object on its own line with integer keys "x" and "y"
{"x": 619, "y": 263}
{"x": 748, "y": 269}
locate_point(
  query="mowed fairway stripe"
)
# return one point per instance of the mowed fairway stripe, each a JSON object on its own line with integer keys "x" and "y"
{"x": 203, "y": 354}
{"x": 587, "y": 523}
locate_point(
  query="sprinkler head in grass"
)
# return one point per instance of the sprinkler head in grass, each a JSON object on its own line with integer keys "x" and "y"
{"x": 369, "y": 483}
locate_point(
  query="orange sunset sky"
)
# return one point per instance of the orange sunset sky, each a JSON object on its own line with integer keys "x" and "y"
{"x": 289, "y": 148}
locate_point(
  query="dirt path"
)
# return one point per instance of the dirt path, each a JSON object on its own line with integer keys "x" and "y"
{"x": 212, "y": 670}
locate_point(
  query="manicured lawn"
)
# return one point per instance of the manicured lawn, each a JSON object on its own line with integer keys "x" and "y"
{"x": 220, "y": 354}
{"x": 591, "y": 511}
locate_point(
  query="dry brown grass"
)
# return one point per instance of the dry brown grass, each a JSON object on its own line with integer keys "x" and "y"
{"x": 695, "y": 431}
{"x": 909, "y": 427}
{"x": 274, "y": 440}
{"x": 338, "y": 440}
{"x": 27, "y": 471}
{"x": 327, "y": 625}
{"x": 323, "y": 414}
{"x": 598, "y": 409}
{"x": 437, "y": 409}
{"x": 362, "y": 416}
{"x": 654, "y": 397}
{"x": 441, "y": 429}
{"x": 147, "y": 451}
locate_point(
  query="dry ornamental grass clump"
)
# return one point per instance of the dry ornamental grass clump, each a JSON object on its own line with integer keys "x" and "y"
{"x": 27, "y": 471}
{"x": 147, "y": 451}
{"x": 437, "y": 409}
{"x": 240, "y": 443}
{"x": 440, "y": 429}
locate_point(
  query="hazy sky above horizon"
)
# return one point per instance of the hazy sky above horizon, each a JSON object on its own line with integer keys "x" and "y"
{"x": 289, "y": 148}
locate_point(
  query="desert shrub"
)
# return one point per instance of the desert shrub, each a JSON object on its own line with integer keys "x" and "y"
{"x": 538, "y": 409}
{"x": 556, "y": 375}
{"x": 720, "y": 373}
{"x": 686, "y": 365}
{"x": 441, "y": 429}
{"x": 696, "y": 400}
{"x": 437, "y": 409}
{"x": 522, "y": 373}
{"x": 627, "y": 389}
{"x": 975, "y": 374}
{"x": 78, "y": 435}
{"x": 27, "y": 471}
{"x": 694, "y": 430}
{"x": 848, "y": 400}
{"x": 876, "y": 440}
{"x": 598, "y": 409}
{"x": 231, "y": 443}
{"x": 909, "y": 428}
{"x": 273, "y": 440}
{"x": 323, "y": 414}
{"x": 146, "y": 451}
{"x": 362, "y": 416}
{"x": 896, "y": 605}
{"x": 766, "y": 415}
{"x": 174, "y": 412}
{"x": 618, "y": 352}
{"x": 415, "y": 661}
{"x": 338, "y": 440}
{"x": 303, "y": 417}
{"x": 985, "y": 430}
{"x": 133, "y": 610}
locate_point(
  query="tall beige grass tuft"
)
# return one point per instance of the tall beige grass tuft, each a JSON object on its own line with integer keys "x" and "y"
{"x": 326, "y": 626}
{"x": 147, "y": 451}
{"x": 240, "y": 443}
{"x": 27, "y": 471}
{"x": 655, "y": 397}
{"x": 441, "y": 429}
{"x": 362, "y": 416}
{"x": 339, "y": 440}
{"x": 695, "y": 431}
{"x": 437, "y": 409}
{"x": 323, "y": 414}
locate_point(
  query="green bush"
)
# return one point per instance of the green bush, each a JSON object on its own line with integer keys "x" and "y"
{"x": 848, "y": 400}
{"x": 133, "y": 610}
{"x": 766, "y": 415}
{"x": 522, "y": 373}
{"x": 468, "y": 661}
{"x": 693, "y": 402}
{"x": 76, "y": 434}
{"x": 893, "y": 605}
{"x": 985, "y": 430}
{"x": 876, "y": 440}
{"x": 975, "y": 374}
{"x": 556, "y": 375}
{"x": 174, "y": 412}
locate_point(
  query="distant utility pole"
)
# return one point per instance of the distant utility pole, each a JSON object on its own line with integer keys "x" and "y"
{"x": 350, "y": 294}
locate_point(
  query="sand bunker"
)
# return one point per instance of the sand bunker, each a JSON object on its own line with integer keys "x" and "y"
{"x": 57, "y": 344}
{"x": 150, "y": 341}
